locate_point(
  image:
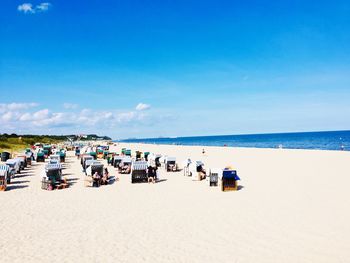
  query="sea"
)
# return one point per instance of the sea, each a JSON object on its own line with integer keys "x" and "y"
{"x": 325, "y": 140}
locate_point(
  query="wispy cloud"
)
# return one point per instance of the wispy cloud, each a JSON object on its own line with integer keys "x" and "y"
{"x": 142, "y": 106}
{"x": 43, "y": 7}
{"x": 28, "y": 8}
{"x": 16, "y": 106}
{"x": 70, "y": 106}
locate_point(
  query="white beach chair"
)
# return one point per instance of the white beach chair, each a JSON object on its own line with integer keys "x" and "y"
{"x": 213, "y": 176}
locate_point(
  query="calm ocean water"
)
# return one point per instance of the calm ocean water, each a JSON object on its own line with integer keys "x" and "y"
{"x": 331, "y": 140}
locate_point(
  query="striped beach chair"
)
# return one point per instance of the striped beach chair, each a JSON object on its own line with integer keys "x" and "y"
{"x": 213, "y": 177}
{"x": 4, "y": 177}
{"x": 139, "y": 171}
{"x": 53, "y": 177}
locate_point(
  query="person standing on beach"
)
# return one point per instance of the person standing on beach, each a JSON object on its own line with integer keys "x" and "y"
{"x": 151, "y": 174}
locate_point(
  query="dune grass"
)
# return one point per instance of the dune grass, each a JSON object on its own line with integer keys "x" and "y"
{"x": 20, "y": 143}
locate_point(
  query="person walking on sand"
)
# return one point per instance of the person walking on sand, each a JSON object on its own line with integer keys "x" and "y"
{"x": 203, "y": 151}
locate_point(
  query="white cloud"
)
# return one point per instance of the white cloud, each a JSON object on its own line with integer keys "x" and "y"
{"x": 7, "y": 116}
{"x": 28, "y": 8}
{"x": 18, "y": 117}
{"x": 142, "y": 106}
{"x": 126, "y": 116}
{"x": 26, "y": 117}
{"x": 41, "y": 114}
{"x": 16, "y": 106}
{"x": 70, "y": 106}
{"x": 43, "y": 7}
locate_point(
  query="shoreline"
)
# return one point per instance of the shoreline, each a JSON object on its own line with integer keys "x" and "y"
{"x": 232, "y": 147}
{"x": 292, "y": 206}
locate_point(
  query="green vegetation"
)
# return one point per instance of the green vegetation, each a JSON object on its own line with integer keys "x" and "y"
{"x": 14, "y": 142}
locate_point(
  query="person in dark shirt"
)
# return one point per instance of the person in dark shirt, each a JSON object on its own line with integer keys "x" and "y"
{"x": 151, "y": 174}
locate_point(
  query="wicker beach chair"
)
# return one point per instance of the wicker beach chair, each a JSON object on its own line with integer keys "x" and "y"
{"x": 170, "y": 164}
{"x": 125, "y": 165}
{"x": 3, "y": 183}
{"x": 229, "y": 180}
{"x": 5, "y": 177}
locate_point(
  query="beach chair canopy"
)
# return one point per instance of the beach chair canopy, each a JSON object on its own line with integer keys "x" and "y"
{"x": 53, "y": 166}
{"x": 90, "y": 162}
{"x": 230, "y": 174}
{"x": 199, "y": 163}
{"x": 170, "y": 159}
{"x": 54, "y": 156}
{"x": 54, "y": 161}
{"x": 118, "y": 157}
{"x": 126, "y": 160}
{"x": 139, "y": 165}
{"x": 12, "y": 162}
{"x": 96, "y": 165}
{"x": 20, "y": 159}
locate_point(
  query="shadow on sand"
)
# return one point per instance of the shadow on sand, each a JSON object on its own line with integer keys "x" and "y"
{"x": 19, "y": 182}
{"x": 15, "y": 187}
{"x": 161, "y": 180}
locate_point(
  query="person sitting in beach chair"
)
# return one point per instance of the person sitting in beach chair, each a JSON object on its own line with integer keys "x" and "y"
{"x": 96, "y": 179}
{"x": 201, "y": 172}
{"x": 151, "y": 174}
{"x": 198, "y": 172}
{"x": 105, "y": 177}
{"x": 126, "y": 168}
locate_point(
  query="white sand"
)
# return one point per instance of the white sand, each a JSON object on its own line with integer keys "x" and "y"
{"x": 294, "y": 207}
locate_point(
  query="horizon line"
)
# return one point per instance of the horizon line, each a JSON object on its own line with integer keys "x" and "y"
{"x": 240, "y": 134}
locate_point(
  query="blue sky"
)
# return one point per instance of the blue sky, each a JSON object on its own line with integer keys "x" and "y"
{"x": 174, "y": 68}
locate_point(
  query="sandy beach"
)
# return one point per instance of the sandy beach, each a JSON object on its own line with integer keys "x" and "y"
{"x": 293, "y": 207}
